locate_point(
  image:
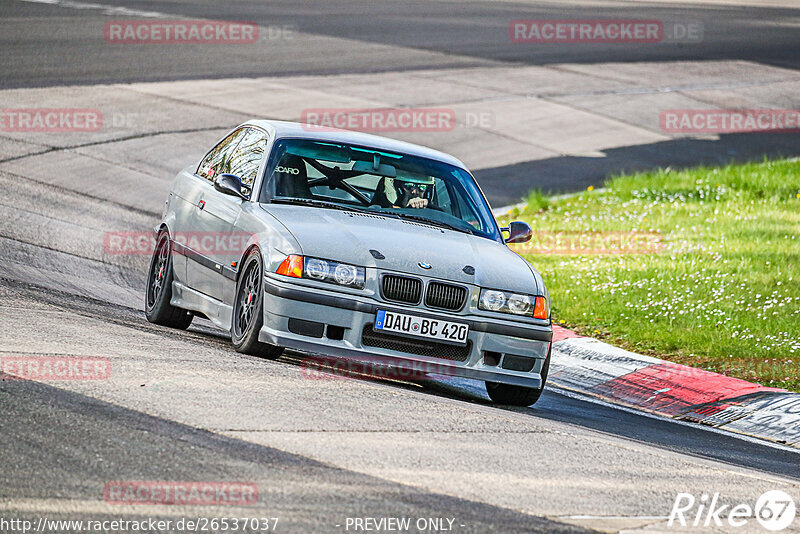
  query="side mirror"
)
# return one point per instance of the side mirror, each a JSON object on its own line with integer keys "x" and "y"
{"x": 518, "y": 232}
{"x": 230, "y": 184}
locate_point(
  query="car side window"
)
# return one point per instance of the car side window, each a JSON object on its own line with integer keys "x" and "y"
{"x": 214, "y": 163}
{"x": 246, "y": 158}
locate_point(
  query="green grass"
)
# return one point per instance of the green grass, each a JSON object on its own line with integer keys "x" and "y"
{"x": 724, "y": 291}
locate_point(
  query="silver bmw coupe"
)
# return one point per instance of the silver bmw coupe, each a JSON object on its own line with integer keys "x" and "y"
{"x": 353, "y": 246}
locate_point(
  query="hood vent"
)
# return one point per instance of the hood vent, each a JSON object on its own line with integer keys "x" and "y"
{"x": 423, "y": 225}
{"x": 367, "y": 215}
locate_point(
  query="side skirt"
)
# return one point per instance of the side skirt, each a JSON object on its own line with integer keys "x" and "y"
{"x": 187, "y": 298}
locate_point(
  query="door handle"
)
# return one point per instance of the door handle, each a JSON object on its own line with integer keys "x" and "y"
{"x": 201, "y": 204}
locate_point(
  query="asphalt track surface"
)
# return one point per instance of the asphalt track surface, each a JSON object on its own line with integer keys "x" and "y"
{"x": 185, "y": 406}
{"x": 51, "y": 46}
{"x": 66, "y": 444}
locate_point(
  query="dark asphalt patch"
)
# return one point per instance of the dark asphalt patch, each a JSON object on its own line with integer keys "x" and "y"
{"x": 692, "y": 440}
{"x": 507, "y": 184}
{"x": 48, "y": 45}
{"x": 64, "y": 445}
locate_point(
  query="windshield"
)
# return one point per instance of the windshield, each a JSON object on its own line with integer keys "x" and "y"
{"x": 323, "y": 174}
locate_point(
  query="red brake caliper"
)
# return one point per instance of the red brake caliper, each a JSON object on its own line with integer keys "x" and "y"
{"x": 249, "y": 298}
{"x": 160, "y": 272}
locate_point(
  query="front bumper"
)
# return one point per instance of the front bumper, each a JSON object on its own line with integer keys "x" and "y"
{"x": 334, "y": 324}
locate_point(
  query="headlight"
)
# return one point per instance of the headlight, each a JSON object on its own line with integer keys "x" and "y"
{"x": 334, "y": 272}
{"x": 323, "y": 270}
{"x": 346, "y": 275}
{"x": 317, "y": 269}
{"x": 513, "y": 303}
{"x": 492, "y": 300}
{"x": 520, "y": 304}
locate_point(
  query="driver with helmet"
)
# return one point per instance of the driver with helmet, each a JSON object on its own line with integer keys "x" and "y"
{"x": 406, "y": 191}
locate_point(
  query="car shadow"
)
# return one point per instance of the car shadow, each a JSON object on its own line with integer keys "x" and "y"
{"x": 604, "y": 419}
{"x": 508, "y": 184}
{"x": 572, "y": 409}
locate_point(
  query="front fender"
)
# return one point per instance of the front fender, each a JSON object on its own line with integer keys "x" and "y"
{"x": 271, "y": 237}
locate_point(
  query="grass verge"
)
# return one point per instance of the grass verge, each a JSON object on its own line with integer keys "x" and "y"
{"x": 700, "y": 267}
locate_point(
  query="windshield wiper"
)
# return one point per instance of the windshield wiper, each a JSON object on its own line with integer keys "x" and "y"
{"x": 434, "y": 223}
{"x": 329, "y": 205}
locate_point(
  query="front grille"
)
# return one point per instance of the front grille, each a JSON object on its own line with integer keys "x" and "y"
{"x": 446, "y": 296}
{"x": 402, "y": 289}
{"x": 432, "y": 349}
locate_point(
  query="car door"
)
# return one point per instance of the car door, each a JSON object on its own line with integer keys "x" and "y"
{"x": 187, "y": 191}
{"x": 219, "y": 245}
{"x": 196, "y": 231}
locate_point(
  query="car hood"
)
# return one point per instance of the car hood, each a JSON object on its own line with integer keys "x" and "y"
{"x": 350, "y": 236}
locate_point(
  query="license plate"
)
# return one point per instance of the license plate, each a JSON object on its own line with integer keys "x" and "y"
{"x": 412, "y": 325}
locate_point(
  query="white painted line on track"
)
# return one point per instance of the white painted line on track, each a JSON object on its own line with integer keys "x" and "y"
{"x": 572, "y": 394}
{"x": 476, "y": 389}
{"x": 106, "y": 10}
{"x": 646, "y": 517}
{"x": 101, "y": 507}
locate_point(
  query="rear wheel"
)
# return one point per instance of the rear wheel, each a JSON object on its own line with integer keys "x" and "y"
{"x": 248, "y": 310}
{"x": 518, "y": 395}
{"x": 157, "y": 307}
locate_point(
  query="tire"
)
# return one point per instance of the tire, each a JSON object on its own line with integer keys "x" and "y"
{"x": 248, "y": 310}
{"x": 518, "y": 395}
{"x": 157, "y": 307}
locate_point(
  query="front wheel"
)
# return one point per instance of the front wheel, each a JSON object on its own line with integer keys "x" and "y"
{"x": 248, "y": 310}
{"x": 518, "y": 395}
{"x": 157, "y": 307}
